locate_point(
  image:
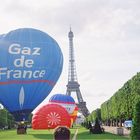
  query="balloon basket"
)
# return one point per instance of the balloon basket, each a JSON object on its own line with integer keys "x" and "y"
{"x": 21, "y": 129}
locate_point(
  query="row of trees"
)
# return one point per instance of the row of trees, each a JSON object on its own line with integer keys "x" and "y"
{"x": 121, "y": 105}
{"x": 94, "y": 114}
{"x": 6, "y": 119}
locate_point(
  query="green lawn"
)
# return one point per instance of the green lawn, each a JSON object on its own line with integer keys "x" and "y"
{"x": 31, "y": 135}
{"x": 83, "y": 134}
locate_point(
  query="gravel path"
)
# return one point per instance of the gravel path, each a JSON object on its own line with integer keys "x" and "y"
{"x": 75, "y": 135}
{"x": 114, "y": 130}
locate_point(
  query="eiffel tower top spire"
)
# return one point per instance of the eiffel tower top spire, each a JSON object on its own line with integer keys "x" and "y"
{"x": 70, "y": 35}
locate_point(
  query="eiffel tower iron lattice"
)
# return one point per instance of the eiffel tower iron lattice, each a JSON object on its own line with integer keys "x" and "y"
{"x": 73, "y": 85}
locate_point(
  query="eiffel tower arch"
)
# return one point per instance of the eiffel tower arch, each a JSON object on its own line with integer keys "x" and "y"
{"x": 73, "y": 85}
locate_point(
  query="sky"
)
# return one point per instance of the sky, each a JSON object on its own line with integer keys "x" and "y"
{"x": 106, "y": 40}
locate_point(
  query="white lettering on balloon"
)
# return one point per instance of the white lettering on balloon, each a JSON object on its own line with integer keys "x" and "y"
{"x": 16, "y": 49}
{"x": 22, "y": 62}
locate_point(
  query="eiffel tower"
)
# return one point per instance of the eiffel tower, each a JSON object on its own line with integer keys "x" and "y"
{"x": 73, "y": 85}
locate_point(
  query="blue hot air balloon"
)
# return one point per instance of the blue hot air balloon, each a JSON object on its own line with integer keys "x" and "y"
{"x": 65, "y": 101}
{"x": 30, "y": 64}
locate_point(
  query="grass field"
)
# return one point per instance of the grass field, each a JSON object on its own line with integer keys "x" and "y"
{"x": 31, "y": 135}
{"x": 83, "y": 134}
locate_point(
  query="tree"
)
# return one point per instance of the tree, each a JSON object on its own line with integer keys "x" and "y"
{"x": 3, "y": 118}
{"x": 97, "y": 128}
{"x": 121, "y": 105}
{"x": 6, "y": 119}
{"x": 135, "y": 133}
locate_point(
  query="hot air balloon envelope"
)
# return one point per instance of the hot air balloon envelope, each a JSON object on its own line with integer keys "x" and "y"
{"x": 64, "y": 100}
{"x": 74, "y": 114}
{"x": 30, "y": 65}
{"x": 50, "y": 116}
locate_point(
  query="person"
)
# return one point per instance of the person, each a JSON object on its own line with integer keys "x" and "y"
{"x": 62, "y": 133}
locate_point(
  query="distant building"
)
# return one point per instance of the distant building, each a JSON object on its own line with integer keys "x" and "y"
{"x": 80, "y": 119}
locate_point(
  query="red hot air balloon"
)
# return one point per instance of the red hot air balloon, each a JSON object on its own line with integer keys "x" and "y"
{"x": 67, "y": 102}
{"x": 50, "y": 116}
